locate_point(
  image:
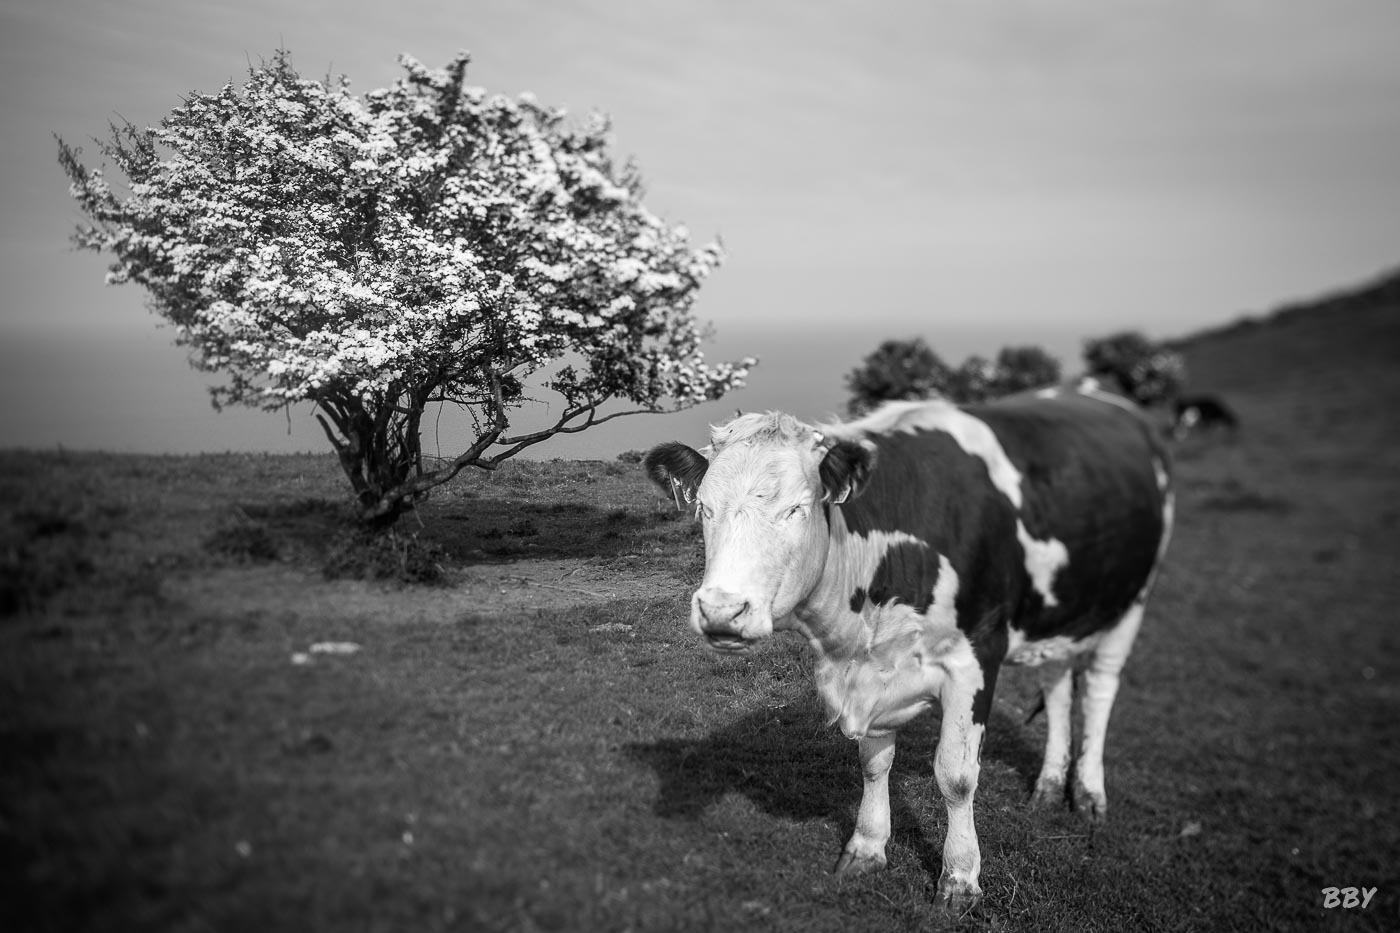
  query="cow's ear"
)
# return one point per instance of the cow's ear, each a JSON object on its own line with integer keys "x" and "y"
{"x": 676, "y": 468}
{"x": 845, "y": 468}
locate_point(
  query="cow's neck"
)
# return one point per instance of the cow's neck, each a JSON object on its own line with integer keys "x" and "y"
{"x": 825, "y": 616}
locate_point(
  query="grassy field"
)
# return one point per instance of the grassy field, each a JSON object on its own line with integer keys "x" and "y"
{"x": 535, "y": 742}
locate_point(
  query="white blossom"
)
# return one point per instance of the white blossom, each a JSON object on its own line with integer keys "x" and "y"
{"x": 315, "y": 245}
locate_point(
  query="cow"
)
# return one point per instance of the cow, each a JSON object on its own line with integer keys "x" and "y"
{"x": 1205, "y": 412}
{"x": 920, "y": 548}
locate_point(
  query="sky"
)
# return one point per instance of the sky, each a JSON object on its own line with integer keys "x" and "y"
{"x": 976, "y": 174}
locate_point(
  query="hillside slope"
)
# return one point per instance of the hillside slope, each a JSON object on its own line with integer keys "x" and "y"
{"x": 1277, "y": 608}
{"x": 1325, "y": 371}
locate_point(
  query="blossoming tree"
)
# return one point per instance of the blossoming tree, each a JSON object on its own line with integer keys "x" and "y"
{"x": 425, "y": 243}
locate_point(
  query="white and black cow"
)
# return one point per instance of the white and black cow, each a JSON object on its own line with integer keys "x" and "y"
{"x": 1203, "y": 412}
{"x": 920, "y": 548}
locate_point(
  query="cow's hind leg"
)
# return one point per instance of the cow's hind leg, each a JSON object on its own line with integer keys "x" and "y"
{"x": 865, "y": 852}
{"x": 1056, "y": 681}
{"x": 1096, "y": 702}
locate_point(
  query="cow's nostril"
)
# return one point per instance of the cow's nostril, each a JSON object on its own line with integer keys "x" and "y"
{"x": 723, "y": 613}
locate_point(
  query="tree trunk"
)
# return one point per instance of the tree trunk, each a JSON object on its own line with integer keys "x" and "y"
{"x": 377, "y": 453}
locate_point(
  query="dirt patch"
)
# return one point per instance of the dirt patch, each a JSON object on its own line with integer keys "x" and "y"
{"x": 520, "y": 586}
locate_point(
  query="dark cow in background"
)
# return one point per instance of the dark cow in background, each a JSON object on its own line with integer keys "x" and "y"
{"x": 920, "y": 548}
{"x": 1202, "y": 412}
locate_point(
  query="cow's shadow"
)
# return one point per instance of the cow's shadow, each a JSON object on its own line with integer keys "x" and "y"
{"x": 790, "y": 763}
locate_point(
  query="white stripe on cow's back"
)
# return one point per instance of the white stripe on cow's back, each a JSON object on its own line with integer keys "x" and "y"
{"x": 972, "y": 434}
{"x": 1160, "y": 470}
{"x": 1092, "y": 388}
{"x": 1168, "y": 519}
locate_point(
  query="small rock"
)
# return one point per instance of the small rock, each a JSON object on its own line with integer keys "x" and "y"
{"x": 335, "y": 647}
{"x": 611, "y": 627}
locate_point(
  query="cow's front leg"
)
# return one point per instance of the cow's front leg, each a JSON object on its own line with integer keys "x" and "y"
{"x": 956, "y": 767}
{"x": 865, "y": 852}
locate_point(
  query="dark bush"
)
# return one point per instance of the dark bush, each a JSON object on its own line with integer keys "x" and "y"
{"x": 45, "y": 548}
{"x": 896, "y": 370}
{"x": 246, "y": 542}
{"x": 389, "y": 555}
{"x": 1146, "y": 372}
{"x": 523, "y": 527}
{"x": 909, "y": 369}
{"x": 1020, "y": 368}
{"x": 31, "y": 572}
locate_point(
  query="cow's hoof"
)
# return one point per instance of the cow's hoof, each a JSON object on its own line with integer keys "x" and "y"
{"x": 1048, "y": 795}
{"x": 851, "y": 864}
{"x": 1090, "y": 805}
{"x": 958, "y": 896}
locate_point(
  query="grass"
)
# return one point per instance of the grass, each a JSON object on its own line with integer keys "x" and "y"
{"x": 536, "y": 743}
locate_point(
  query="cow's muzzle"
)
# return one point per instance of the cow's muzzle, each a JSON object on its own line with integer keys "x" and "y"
{"x": 720, "y": 617}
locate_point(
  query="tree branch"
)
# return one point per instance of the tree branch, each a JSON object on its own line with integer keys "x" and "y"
{"x": 561, "y": 426}
{"x": 425, "y": 481}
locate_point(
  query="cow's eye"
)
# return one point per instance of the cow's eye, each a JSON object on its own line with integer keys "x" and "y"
{"x": 794, "y": 511}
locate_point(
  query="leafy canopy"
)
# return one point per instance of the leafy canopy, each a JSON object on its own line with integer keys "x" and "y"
{"x": 426, "y": 242}
{"x": 910, "y": 369}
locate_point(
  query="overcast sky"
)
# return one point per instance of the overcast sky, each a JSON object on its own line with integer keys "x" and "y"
{"x": 975, "y": 173}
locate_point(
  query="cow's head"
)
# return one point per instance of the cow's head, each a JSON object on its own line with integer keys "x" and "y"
{"x": 762, "y": 497}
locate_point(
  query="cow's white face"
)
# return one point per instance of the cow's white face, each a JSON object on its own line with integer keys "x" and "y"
{"x": 765, "y": 541}
{"x": 761, "y": 503}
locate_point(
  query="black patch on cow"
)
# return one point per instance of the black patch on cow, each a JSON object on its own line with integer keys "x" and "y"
{"x": 905, "y": 574}
{"x": 989, "y": 647}
{"x": 858, "y": 599}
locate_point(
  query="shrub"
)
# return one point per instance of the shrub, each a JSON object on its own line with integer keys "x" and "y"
{"x": 1127, "y": 362}
{"x": 384, "y": 555}
{"x": 244, "y": 542}
{"x": 908, "y": 369}
{"x": 896, "y": 370}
